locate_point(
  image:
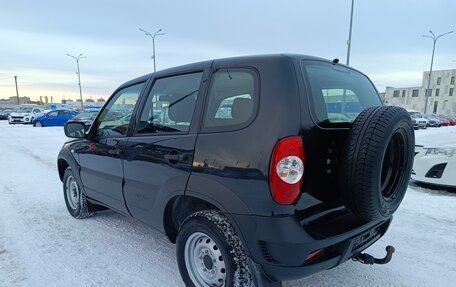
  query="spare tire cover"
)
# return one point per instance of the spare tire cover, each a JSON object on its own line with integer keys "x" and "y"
{"x": 376, "y": 162}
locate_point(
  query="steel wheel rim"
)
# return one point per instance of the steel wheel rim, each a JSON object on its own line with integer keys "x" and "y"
{"x": 38, "y": 124}
{"x": 72, "y": 192}
{"x": 204, "y": 261}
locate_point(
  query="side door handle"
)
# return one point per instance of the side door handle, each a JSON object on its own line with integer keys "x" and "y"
{"x": 174, "y": 156}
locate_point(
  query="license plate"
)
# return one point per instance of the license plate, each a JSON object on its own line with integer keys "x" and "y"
{"x": 365, "y": 238}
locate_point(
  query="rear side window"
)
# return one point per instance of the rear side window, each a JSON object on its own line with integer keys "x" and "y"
{"x": 170, "y": 104}
{"x": 64, "y": 113}
{"x": 337, "y": 94}
{"x": 231, "y": 99}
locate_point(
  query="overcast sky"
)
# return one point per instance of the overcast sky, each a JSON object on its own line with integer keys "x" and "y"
{"x": 386, "y": 42}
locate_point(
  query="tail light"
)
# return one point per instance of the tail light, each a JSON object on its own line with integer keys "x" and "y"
{"x": 286, "y": 170}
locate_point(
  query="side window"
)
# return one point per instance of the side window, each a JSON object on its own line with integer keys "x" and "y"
{"x": 231, "y": 98}
{"x": 53, "y": 114}
{"x": 170, "y": 104}
{"x": 64, "y": 113}
{"x": 35, "y": 111}
{"x": 115, "y": 118}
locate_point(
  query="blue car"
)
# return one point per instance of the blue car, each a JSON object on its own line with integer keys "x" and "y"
{"x": 54, "y": 118}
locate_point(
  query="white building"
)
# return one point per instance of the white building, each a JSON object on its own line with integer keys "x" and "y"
{"x": 442, "y": 94}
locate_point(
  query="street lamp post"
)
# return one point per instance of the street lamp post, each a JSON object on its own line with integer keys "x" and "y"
{"x": 434, "y": 39}
{"x": 79, "y": 75}
{"x": 350, "y": 33}
{"x": 17, "y": 91}
{"x": 158, "y": 33}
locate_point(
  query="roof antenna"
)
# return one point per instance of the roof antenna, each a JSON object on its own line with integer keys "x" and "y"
{"x": 335, "y": 61}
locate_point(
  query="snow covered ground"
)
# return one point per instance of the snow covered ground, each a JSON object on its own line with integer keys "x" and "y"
{"x": 42, "y": 245}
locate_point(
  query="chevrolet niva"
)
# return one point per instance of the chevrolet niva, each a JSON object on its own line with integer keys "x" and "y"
{"x": 259, "y": 168}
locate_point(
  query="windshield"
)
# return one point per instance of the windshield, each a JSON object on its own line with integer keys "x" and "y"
{"x": 415, "y": 115}
{"x": 338, "y": 94}
{"x": 24, "y": 110}
{"x": 87, "y": 114}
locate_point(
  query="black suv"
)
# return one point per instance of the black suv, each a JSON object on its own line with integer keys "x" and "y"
{"x": 259, "y": 168}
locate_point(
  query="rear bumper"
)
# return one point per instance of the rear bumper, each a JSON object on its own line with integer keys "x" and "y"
{"x": 279, "y": 246}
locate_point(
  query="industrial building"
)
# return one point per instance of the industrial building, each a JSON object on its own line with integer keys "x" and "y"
{"x": 442, "y": 98}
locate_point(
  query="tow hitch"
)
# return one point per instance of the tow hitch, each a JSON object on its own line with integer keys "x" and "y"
{"x": 369, "y": 259}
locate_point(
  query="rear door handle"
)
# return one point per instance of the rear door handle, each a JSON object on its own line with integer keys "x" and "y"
{"x": 115, "y": 151}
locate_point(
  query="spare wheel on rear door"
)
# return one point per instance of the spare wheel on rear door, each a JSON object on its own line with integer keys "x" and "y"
{"x": 377, "y": 162}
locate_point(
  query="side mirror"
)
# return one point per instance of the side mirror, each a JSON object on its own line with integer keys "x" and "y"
{"x": 75, "y": 130}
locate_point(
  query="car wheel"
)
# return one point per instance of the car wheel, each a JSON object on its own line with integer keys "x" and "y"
{"x": 210, "y": 253}
{"x": 75, "y": 198}
{"x": 38, "y": 124}
{"x": 377, "y": 162}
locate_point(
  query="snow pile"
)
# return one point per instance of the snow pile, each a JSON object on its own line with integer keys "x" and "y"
{"x": 42, "y": 245}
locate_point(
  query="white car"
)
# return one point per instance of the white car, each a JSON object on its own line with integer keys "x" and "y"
{"x": 24, "y": 115}
{"x": 419, "y": 121}
{"x": 435, "y": 165}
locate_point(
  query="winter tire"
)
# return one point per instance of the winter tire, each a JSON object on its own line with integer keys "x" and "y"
{"x": 38, "y": 125}
{"x": 74, "y": 196}
{"x": 377, "y": 162}
{"x": 210, "y": 253}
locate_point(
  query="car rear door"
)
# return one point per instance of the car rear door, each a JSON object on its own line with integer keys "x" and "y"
{"x": 158, "y": 156}
{"x": 63, "y": 117}
{"x": 101, "y": 153}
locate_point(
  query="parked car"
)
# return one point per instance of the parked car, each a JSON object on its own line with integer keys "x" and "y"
{"x": 240, "y": 164}
{"x": 419, "y": 121}
{"x": 451, "y": 120}
{"x": 444, "y": 120}
{"x": 54, "y": 118}
{"x": 24, "y": 115}
{"x": 435, "y": 165}
{"x": 85, "y": 117}
{"x": 4, "y": 113}
{"x": 434, "y": 121}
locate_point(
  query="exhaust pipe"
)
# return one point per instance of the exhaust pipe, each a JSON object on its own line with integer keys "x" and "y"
{"x": 370, "y": 260}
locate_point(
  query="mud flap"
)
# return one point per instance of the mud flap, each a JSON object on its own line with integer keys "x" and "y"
{"x": 259, "y": 278}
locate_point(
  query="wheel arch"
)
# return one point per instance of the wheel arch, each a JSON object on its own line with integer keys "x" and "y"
{"x": 62, "y": 165}
{"x": 66, "y": 159}
{"x": 179, "y": 208}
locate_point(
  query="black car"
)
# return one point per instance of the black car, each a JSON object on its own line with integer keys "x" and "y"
{"x": 260, "y": 168}
{"x": 4, "y": 113}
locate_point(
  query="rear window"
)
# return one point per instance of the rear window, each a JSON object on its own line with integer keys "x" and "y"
{"x": 337, "y": 94}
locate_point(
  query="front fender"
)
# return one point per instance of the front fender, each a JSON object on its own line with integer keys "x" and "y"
{"x": 67, "y": 158}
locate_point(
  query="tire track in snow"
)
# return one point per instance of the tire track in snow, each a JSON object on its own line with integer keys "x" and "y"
{"x": 11, "y": 273}
{"x": 36, "y": 244}
{"x": 37, "y": 158}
